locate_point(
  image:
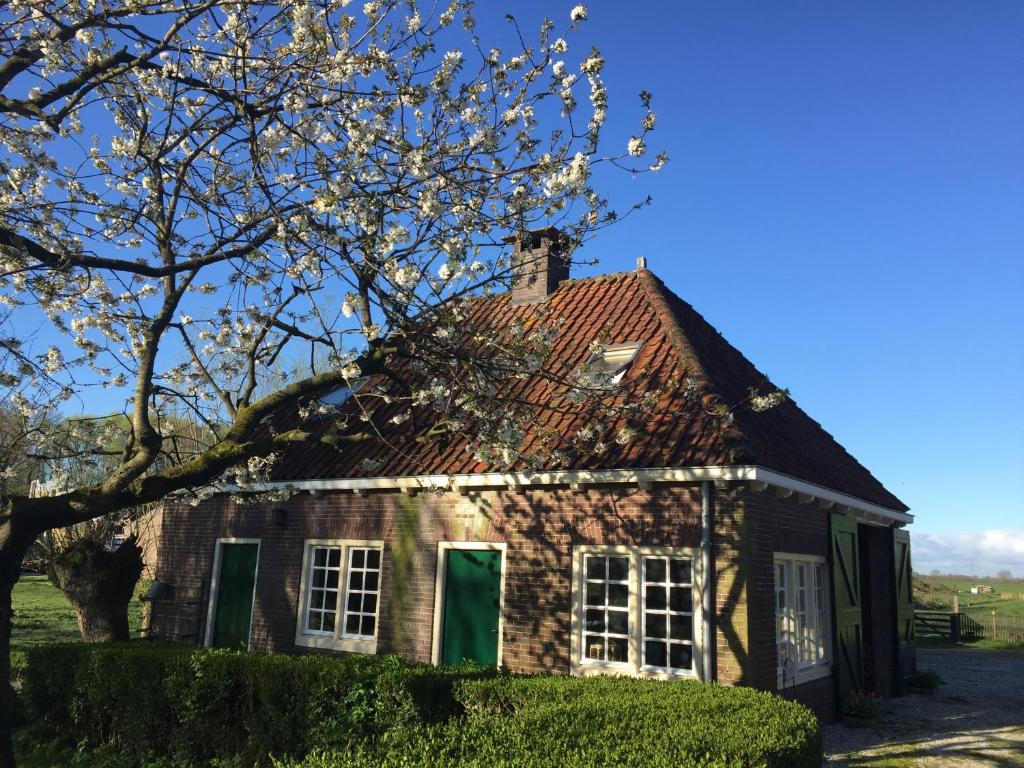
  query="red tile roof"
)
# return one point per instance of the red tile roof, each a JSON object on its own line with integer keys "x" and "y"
{"x": 678, "y": 346}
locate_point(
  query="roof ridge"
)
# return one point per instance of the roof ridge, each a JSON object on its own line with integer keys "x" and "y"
{"x": 655, "y": 290}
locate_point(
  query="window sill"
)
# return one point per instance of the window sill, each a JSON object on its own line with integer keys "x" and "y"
{"x": 588, "y": 668}
{"x": 330, "y": 643}
{"x": 806, "y": 675}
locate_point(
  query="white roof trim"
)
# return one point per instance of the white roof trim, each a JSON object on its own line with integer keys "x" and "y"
{"x": 865, "y": 511}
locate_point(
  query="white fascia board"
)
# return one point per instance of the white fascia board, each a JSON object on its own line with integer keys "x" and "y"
{"x": 869, "y": 512}
{"x": 518, "y": 480}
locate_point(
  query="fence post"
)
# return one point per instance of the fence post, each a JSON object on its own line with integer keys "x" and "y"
{"x": 993, "y": 625}
{"x": 954, "y": 627}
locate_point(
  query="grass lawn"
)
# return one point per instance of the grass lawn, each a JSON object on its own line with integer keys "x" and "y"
{"x": 936, "y": 593}
{"x": 43, "y": 615}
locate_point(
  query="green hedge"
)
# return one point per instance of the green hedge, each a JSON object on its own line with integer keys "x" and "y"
{"x": 576, "y": 723}
{"x": 382, "y": 712}
{"x": 197, "y": 704}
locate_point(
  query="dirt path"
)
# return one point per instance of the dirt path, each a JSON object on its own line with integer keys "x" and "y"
{"x": 974, "y": 720}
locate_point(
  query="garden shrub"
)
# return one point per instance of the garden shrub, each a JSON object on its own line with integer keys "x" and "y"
{"x": 152, "y": 701}
{"x": 544, "y": 722}
{"x": 198, "y": 704}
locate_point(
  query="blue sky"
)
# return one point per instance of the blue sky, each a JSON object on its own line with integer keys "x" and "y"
{"x": 845, "y": 203}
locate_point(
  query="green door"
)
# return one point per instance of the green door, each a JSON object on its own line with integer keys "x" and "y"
{"x": 472, "y": 603}
{"x": 235, "y": 583}
{"x": 846, "y": 604}
{"x": 907, "y": 661}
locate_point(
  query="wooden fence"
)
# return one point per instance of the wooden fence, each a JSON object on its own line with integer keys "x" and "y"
{"x": 969, "y": 626}
{"x": 1006, "y": 629}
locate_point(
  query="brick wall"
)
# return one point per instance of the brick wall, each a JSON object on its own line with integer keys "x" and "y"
{"x": 539, "y": 527}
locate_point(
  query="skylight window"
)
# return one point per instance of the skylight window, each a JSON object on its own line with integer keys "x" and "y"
{"x": 614, "y": 360}
{"x": 341, "y": 395}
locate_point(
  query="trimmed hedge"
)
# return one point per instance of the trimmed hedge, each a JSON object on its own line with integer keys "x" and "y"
{"x": 549, "y": 722}
{"x": 382, "y": 712}
{"x": 199, "y": 704}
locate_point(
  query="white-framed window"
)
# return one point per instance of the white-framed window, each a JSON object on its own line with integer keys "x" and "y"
{"x": 636, "y": 610}
{"x": 802, "y": 621}
{"x": 339, "y": 594}
{"x": 610, "y": 363}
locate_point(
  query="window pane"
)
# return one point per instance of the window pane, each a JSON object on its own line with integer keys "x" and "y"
{"x": 355, "y": 602}
{"x": 352, "y": 624}
{"x": 328, "y": 625}
{"x": 618, "y": 568}
{"x": 655, "y": 654}
{"x": 594, "y": 647}
{"x": 655, "y": 625}
{"x": 681, "y": 571}
{"x": 618, "y": 622}
{"x": 335, "y": 557}
{"x": 595, "y": 593}
{"x": 320, "y": 557}
{"x": 358, "y": 558}
{"x": 681, "y": 656}
{"x": 656, "y": 597}
{"x": 618, "y": 595}
{"x": 319, "y": 578}
{"x": 369, "y": 603}
{"x": 332, "y": 579}
{"x": 369, "y": 625}
{"x": 618, "y": 649}
{"x": 373, "y": 559}
{"x": 682, "y": 627}
{"x": 682, "y": 599}
{"x": 595, "y": 620}
{"x": 596, "y": 567}
{"x": 654, "y": 569}
{"x": 355, "y": 580}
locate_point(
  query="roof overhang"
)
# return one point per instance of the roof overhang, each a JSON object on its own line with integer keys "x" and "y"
{"x": 758, "y": 478}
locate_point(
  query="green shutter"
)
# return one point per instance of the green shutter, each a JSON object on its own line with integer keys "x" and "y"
{"x": 846, "y": 607}
{"x": 903, "y": 574}
{"x": 235, "y": 584}
{"x": 472, "y": 604}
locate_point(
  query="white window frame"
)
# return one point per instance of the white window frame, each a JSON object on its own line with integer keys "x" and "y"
{"x": 337, "y": 640}
{"x": 616, "y": 358}
{"x": 634, "y": 666}
{"x": 789, "y": 622}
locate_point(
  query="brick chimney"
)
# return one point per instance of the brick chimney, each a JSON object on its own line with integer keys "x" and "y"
{"x": 540, "y": 262}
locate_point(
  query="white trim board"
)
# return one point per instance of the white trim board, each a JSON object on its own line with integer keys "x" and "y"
{"x": 865, "y": 511}
{"x": 215, "y": 585}
{"x": 443, "y": 547}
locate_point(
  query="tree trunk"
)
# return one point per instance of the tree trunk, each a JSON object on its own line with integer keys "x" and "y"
{"x": 14, "y": 541}
{"x": 7, "y": 696}
{"x": 99, "y": 584}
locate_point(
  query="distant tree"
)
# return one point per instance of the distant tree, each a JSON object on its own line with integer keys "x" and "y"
{"x": 935, "y": 572}
{"x": 1005, "y": 575}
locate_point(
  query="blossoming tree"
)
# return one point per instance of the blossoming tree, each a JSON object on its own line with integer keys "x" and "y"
{"x": 196, "y": 190}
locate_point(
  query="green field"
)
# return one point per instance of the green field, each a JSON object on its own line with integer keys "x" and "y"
{"x": 43, "y": 615}
{"x": 935, "y": 593}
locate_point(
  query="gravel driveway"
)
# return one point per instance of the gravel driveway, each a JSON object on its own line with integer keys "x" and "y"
{"x": 976, "y": 718}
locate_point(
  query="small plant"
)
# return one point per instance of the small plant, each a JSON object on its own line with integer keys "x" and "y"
{"x": 863, "y": 706}
{"x": 925, "y": 680}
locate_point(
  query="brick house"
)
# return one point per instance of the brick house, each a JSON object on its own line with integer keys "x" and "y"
{"x": 754, "y": 552}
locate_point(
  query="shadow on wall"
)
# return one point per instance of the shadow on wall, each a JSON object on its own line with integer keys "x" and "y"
{"x": 540, "y": 528}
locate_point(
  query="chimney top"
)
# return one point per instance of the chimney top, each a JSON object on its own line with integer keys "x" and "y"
{"x": 540, "y": 261}
{"x": 641, "y": 263}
